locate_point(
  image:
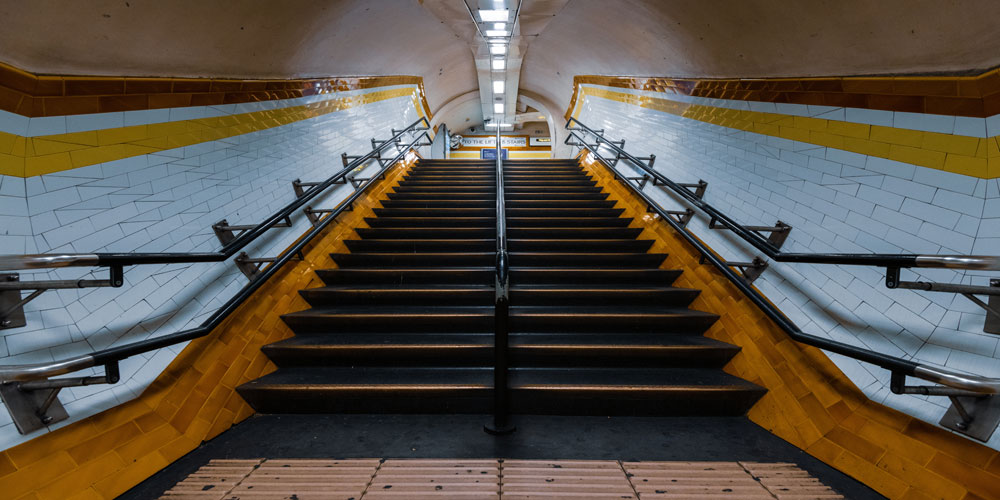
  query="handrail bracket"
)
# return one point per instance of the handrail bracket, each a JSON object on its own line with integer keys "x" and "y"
{"x": 35, "y": 404}
{"x": 779, "y": 231}
{"x": 972, "y": 414}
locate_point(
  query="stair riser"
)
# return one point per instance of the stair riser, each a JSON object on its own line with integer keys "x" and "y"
{"x": 482, "y": 356}
{"x": 639, "y": 260}
{"x": 622, "y": 297}
{"x": 513, "y": 233}
{"x": 589, "y": 277}
{"x": 329, "y": 324}
{"x": 406, "y": 277}
{"x": 601, "y": 323}
{"x": 444, "y": 195}
{"x": 539, "y": 401}
{"x": 390, "y": 298}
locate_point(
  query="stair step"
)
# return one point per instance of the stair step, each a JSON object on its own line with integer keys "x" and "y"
{"x": 515, "y": 222}
{"x": 409, "y": 259}
{"x": 599, "y": 296}
{"x": 488, "y": 258}
{"x": 555, "y": 391}
{"x": 473, "y": 195}
{"x": 389, "y": 320}
{"x": 578, "y": 245}
{"x": 489, "y": 212}
{"x": 395, "y": 295}
{"x": 588, "y": 276}
{"x": 414, "y": 245}
{"x": 544, "y": 203}
{"x": 453, "y": 222}
{"x": 471, "y": 275}
{"x": 590, "y": 318}
{"x": 480, "y": 203}
{"x": 476, "y": 350}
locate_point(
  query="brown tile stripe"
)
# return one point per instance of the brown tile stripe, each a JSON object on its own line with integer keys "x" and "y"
{"x": 33, "y": 95}
{"x": 420, "y": 479}
{"x": 975, "y": 96}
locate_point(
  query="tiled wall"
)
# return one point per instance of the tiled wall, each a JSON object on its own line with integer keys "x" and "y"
{"x": 809, "y": 402}
{"x": 837, "y": 200}
{"x": 167, "y": 201}
{"x": 193, "y": 400}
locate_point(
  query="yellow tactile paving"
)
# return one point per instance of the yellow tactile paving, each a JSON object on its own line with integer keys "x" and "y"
{"x": 418, "y": 479}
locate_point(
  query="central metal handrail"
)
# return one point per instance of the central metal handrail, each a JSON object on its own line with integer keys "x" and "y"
{"x": 37, "y": 371}
{"x": 501, "y": 311}
{"x": 958, "y": 384}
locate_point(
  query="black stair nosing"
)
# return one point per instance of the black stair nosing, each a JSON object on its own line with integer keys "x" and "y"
{"x": 452, "y": 222}
{"x": 582, "y": 275}
{"x": 510, "y": 212}
{"x": 409, "y": 275}
{"x": 602, "y": 295}
{"x": 484, "y": 258}
{"x": 467, "y": 350}
{"x": 444, "y": 232}
{"x": 590, "y": 245}
{"x": 410, "y": 260}
{"x": 428, "y": 295}
{"x": 524, "y": 222}
{"x": 420, "y": 245}
{"x": 473, "y": 195}
{"x": 595, "y": 391}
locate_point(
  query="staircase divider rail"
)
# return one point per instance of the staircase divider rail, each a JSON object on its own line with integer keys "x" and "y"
{"x": 975, "y": 409}
{"x": 27, "y": 390}
{"x": 501, "y": 311}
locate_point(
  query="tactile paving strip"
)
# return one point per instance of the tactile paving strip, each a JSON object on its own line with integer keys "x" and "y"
{"x": 453, "y": 479}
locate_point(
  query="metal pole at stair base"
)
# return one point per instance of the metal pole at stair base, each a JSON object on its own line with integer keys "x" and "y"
{"x": 501, "y": 309}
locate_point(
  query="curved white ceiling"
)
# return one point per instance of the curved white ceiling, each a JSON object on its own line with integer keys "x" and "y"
{"x": 680, "y": 38}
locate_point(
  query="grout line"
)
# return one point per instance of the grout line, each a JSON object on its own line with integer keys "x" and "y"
{"x": 755, "y": 478}
{"x": 628, "y": 477}
{"x": 371, "y": 480}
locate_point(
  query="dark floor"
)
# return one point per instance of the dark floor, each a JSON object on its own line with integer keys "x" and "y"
{"x": 461, "y": 436}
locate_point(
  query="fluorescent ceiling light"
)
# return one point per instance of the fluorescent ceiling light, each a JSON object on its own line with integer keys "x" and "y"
{"x": 498, "y": 49}
{"x": 498, "y": 87}
{"x": 499, "y": 26}
{"x": 498, "y": 107}
{"x": 493, "y": 15}
{"x": 502, "y": 125}
{"x": 496, "y": 33}
{"x": 498, "y": 64}
{"x": 541, "y": 117}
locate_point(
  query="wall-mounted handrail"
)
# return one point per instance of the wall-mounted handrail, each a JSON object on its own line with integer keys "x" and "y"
{"x": 976, "y": 262}
{"x": 962, "y": 384}
{"x": 37, "y": 371}
{"x": 501, "y": 311}
{"x": 40, "y": 261}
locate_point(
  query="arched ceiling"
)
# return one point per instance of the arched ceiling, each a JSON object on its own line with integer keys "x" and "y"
{"x": 679, "y": 38}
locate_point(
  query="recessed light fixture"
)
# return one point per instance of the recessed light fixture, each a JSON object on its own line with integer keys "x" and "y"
{"x": 541, "y": 117}
{"x": 498, "y": 64}
{"x": 493, "y": 15}
{"x": 498, "y": 87}
{"x": 498, "y": 49}
{"x": 502, "y": 125}
{"x": 496, "y": 33}
{"x": 498, "y": 107}
{"x": 499, "y": 26}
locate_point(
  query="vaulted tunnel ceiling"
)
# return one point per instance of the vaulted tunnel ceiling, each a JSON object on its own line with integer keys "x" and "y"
{"x": 680, "y": 38}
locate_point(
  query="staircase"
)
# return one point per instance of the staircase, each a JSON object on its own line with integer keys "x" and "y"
{"x": 404, "y": 324}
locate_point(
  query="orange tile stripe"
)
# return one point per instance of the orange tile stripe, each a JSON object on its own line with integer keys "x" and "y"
{"x": 28, "y": 94}
{"x": 976, "y": 96}
{"x": 192, "y": 401}
{"x": 810, "y": 402}
{"x": 972, "y": 156}
{"x": 30, "y": 156}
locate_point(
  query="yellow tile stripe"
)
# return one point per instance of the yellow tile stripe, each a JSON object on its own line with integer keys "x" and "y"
{"x": 30, "y": 156}
{"x": 972, "y": 156}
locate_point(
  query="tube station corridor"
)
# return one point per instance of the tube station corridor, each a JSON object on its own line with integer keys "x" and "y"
{"x": 499, "y": 249}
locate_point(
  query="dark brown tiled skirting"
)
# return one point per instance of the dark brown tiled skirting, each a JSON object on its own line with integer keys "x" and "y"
{"x": 40, "y": 95}
{"x": 975, "y": 96}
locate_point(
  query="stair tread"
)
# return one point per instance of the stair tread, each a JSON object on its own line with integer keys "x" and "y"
{"x": 596, "y": 378}
{"x": 517, "y": 340}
